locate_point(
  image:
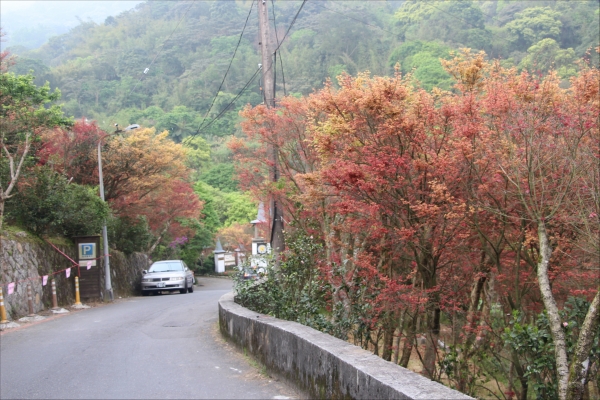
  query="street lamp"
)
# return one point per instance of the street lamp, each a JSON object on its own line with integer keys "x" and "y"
{"x": 108, "y": 292}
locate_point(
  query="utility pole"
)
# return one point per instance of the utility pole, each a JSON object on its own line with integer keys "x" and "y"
{"x": 268, "y": 81}
{"x": 108, "y": 291}
{"x": 267, "y": 55}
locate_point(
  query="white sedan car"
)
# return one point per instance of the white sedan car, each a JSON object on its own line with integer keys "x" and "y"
{"x": 168, "y": 275}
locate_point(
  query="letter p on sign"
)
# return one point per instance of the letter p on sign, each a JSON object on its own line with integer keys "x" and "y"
{"x": 87, "y": 250}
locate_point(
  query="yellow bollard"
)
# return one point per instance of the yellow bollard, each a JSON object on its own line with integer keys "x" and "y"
{"x": 3, "y": 319}
{"x": 54, "y": 299}
{"x": 77, "y": 299}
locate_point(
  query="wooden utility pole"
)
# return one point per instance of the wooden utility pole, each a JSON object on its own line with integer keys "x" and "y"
{"x": 267, "y": 54}
{"x": 277, "y": 242}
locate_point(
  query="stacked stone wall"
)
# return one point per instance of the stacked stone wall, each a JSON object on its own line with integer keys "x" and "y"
{"x": 25, "y": 259}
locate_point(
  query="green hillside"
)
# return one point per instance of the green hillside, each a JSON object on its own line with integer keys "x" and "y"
{"x": 188, "y": 46}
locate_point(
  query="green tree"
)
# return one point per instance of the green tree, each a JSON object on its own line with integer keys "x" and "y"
{"x": 238, "y": 208}
{"x": 206, "y": 193}
{"x": 47, "y": 203}
{"x": 423, "y": 59}
{"x": 546, "y": 55}
{"x": 24, "y": 114}
{"x": 198, "y": 153}
{"x": 534, "y": 24}
{"x": 129, "y": 234}
{"x": 220, "y": 176}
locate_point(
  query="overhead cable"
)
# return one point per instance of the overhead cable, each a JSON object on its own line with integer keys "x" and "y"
{"x": 277, "y": 38}
{"x": 212, "y": 121}
{"x": 248, "y": 83}
{"x": 291, "y": 24}
{"x": 286, "y": 33}
{"x": 228, "y": 67}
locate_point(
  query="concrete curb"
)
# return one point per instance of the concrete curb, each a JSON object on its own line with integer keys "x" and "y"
{"x": 321, "y": 365}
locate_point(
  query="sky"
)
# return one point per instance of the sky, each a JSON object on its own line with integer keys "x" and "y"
{"x": 30, "y": 23}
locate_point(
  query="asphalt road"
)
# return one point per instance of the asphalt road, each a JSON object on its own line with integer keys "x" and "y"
{"x": 154, "y": 347}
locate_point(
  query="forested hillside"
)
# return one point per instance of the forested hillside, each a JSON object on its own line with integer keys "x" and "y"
{"x": 187, "y": 47}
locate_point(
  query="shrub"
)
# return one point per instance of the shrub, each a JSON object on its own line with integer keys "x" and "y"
{"x": 47, "y": 203}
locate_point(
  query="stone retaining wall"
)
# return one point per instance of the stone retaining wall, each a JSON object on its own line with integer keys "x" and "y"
{"x": 319, "y": 364}
{"x": 24, "y": 258}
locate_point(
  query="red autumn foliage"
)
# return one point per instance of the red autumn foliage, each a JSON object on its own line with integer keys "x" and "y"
{"x": 72, "y": 152}
{"x": 440, "y": 203}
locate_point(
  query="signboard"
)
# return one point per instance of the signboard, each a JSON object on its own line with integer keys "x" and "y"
{"x": 87, "y": 254}
{"x": 229, "y": 260}
{"x": 88, "y": 250}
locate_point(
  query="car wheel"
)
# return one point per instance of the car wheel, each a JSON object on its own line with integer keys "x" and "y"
{"x": 184, "y": 290}
{"x": 191, "y": 288}
{"x": 145, "y": 293}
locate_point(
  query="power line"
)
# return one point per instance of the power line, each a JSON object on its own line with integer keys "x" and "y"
{"x": 288, "y": 31}
{"x": 226, "y": 107}
{"x": 275, "y": 54}
{"x": 291, "y": 24}
{"x": 228, "y": 68}
{"x": 251, "y": 79}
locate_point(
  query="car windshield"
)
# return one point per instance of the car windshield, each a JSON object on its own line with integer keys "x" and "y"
{"x": 166, "y": 266}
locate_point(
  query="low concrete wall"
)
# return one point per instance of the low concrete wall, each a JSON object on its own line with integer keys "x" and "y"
{"x": 319, "y": 364}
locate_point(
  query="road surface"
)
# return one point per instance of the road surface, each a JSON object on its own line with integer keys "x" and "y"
{"x": 154, "y": 347}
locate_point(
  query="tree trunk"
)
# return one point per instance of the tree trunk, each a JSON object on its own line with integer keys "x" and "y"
{"x": 388, "y": 342}
{"x": 395, "y": 345}
{"x": 520, "y": 375}
{"x": 462, "y": 367}
{"x": 581, "y": 359}
{"x": 558, "y": 335}
{"x": 162, "y": 233}
{"x": 409, "y": 340}
{"x": 433, "y": 334}
{"x": 396, "y": 351}
{"x": 1, "y": 212}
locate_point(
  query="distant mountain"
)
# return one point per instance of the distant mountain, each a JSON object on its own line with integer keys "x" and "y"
{"x": 162, "y": 62}
{"x": 31, "y": 23}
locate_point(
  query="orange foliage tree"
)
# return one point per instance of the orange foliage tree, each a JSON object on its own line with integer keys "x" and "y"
{"x": 144, "y": 173}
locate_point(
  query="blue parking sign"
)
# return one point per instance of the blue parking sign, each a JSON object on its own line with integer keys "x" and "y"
{"x": 87, "y": 250}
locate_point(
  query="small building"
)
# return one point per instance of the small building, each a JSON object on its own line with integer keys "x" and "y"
{"x": 219, "y": 258}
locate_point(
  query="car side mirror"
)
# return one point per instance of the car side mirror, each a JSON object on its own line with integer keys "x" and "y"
{"x": 144, "y": 272}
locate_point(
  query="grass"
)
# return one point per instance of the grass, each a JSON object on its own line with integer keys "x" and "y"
{"x": 262, "y": 370}
{"x": 15, "y": 232}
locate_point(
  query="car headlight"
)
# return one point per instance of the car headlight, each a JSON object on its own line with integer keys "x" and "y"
{"x": 176, "y": 278}
{"x": 145, "y": 279}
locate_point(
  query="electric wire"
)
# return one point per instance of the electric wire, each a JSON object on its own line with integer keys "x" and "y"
{"x": 249, "y": 82}
{"x": 288, "y": 31}
{"x": 277, "y": 38}
{"x": 226, "y": 108}
{"x": 291, "y": 24}
{"x": 228, "y": 68}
